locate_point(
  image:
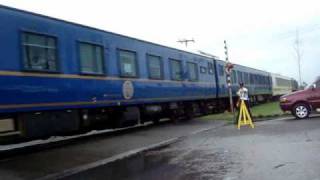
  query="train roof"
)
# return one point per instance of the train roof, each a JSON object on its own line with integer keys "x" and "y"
{"x": 280, "y": 76}
{"x": 197, "y": 53}
{"x": 244, "y": 66}
{"x": 101, "y": 30}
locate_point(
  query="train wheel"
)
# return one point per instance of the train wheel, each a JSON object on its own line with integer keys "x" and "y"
{"x": 173, "y": 116}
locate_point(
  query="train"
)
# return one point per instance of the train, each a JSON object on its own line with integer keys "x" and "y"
{"x": 282, "y": 85}
{"x": 59, "y": 77}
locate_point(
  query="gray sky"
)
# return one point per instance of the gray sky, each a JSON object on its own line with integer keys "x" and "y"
{"x": 260, "y": 34}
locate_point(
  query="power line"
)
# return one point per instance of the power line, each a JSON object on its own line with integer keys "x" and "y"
{"x": 302, "y": 31}
{"x": 186, "y": 41}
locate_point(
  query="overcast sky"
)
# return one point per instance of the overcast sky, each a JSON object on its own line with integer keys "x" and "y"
{"x": 260, "y": 34}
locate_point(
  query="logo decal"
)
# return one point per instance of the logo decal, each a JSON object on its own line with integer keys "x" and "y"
{"x": 127, "y": 90}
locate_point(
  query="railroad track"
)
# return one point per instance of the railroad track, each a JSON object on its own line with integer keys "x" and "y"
{"x": 10, "y": 150}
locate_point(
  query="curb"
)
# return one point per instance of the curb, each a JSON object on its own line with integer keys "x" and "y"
{"x": 283, "y": 117}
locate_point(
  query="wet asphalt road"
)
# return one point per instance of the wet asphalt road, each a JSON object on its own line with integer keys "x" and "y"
{"x": 281, "y": 149}
{"x": 82, "y": 152}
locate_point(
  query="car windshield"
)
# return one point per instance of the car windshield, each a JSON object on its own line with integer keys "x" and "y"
{"x": 311, "y": 86}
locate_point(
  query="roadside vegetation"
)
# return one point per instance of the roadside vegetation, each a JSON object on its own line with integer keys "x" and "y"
{"x": 261, "y": 111}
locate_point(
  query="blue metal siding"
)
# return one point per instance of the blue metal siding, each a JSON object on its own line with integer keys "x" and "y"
{"x": 37, "y": 91}
{"x": 43, "y": 91}
{"x": 254, "y": 89}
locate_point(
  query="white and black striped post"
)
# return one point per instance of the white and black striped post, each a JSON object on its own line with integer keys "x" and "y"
{"x": 228, "y": 80}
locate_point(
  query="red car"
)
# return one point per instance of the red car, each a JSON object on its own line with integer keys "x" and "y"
{"x": 302, "y": 103}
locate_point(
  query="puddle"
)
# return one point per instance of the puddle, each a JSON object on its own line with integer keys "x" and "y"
{"x": 165, "y": 163}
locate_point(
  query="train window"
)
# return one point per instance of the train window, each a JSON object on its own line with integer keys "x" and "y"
{"x": 154, "y": 66}
{"x": 234, "y": 77}
{"x": 240, "y": 79}
{"x": 283, "y": 82}
{"x": 128, "y": 63}
{"x": 203, "y": 69}
{"x": 192, "y": 71}
{"x": 210, "y": 68}
{"x": 251, "y": 79}
{"x": 246, "y": 78}
{"x": 176, "y": 69}
{"x": 221, "y": 70}
{"x": 91, "y": 58}
{"x": 39, "y": 52}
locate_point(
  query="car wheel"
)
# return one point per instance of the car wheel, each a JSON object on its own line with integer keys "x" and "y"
{"x": 301, "y": 111}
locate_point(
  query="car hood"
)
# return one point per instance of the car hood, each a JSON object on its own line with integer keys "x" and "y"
{"x": 294, "y": 93}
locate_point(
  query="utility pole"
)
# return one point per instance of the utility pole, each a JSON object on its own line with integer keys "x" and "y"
{"x": 297, "y": 49}
{"x": 228, "y": 71}
{"x": 186, "y": 41}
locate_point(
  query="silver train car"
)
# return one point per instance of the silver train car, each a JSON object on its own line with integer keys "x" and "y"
{"x": 282, "y": 85}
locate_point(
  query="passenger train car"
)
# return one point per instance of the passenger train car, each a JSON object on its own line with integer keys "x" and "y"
{"x": 60, "y": 77}
{"x": 258, "y": 82}
{"x": 282, "y": 85}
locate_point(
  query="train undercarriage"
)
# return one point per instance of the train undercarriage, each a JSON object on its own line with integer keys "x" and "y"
{"x": 40, "y": 125}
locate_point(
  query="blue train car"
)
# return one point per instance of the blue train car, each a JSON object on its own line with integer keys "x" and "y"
{"x": 258, "y": 83}
{"x": 58, "y": 76}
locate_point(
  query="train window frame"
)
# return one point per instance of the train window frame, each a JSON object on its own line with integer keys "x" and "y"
{"x": 221, "y": 70}
{"x": 240, "y": 76}
{"x": 234, "y": 77}
{"x": 149, "y": 66}
{"x": 260, "y": 79}
{"x": 135, "y": 63}
{"x": 256, "y": 81}
{"x": 103, "y": 69}
{"x": 246, "y": 78}
{"x": 171, "y": 69}
{"x": 251, "y": 78}
{"x": 196, "y": 67}
{"x": 23, "y": 51}
{"x": 281, "y": 82}
{"x": 210, "y": 68}
{"x": 203, "y": 69}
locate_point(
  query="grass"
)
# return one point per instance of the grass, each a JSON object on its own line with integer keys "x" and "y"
{"x": 265, "y": 110}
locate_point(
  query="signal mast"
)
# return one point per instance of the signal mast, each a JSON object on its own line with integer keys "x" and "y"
{"x": 228, "y": 68}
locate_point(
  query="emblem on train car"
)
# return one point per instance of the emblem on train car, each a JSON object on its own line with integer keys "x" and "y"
{"x": 127, "y": 90}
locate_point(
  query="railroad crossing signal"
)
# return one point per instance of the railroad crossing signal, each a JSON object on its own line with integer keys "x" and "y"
{"x": 229, "y": 66}
{"x": 244, "y": 116}
{"x": 226, "y": 50}
{"x": 228, "y": 69}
